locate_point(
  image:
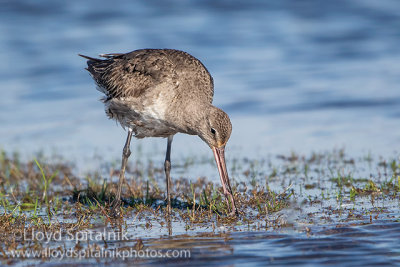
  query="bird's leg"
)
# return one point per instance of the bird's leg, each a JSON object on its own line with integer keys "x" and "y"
{"x": 125, "y": 155}
{"x": 167, "y": 168}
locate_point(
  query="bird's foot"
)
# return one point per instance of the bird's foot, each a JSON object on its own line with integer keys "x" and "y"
{"x": 115, "y": 208}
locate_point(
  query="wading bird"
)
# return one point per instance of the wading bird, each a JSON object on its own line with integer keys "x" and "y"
{"x": 158, "y": 93}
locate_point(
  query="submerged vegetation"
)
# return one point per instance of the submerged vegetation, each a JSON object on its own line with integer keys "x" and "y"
{"x": 292, "y": 191}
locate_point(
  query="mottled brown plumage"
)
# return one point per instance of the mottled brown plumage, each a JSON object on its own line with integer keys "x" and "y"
{"x": 131, "y": 74}
{"x": 158, "y": 93}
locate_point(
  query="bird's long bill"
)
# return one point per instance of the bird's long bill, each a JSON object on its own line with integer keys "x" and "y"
{"x": 219, "y": 154}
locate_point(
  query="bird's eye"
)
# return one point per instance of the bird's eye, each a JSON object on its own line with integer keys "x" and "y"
{"x": 213, "y": 131}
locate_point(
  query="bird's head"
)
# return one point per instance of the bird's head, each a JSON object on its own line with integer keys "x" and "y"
{"x": 215, "y": 128}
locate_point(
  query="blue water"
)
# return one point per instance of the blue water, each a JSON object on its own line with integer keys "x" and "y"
{"x": 293, "y": 75}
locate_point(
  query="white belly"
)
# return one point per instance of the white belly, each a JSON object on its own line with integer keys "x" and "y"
{"x": 145, "y": 120}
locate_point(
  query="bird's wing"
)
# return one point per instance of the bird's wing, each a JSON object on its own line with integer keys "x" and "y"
{"x": 131, "y": 74}
{"x": 193, "y": 75}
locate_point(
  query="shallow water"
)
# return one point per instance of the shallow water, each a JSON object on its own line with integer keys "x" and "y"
{"x": 359, "y": 245}
{"x": 321, "y": 222}
{"x": 375, "y": 244}
{"x": 302, "y": 76}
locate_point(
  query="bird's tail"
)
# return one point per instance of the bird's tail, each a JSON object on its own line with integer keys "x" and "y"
{"x": 90, "y": 58}
{"x": 96, "y": 67}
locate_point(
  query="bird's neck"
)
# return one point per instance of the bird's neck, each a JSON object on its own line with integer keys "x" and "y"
{"x": 193, "y": 116}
